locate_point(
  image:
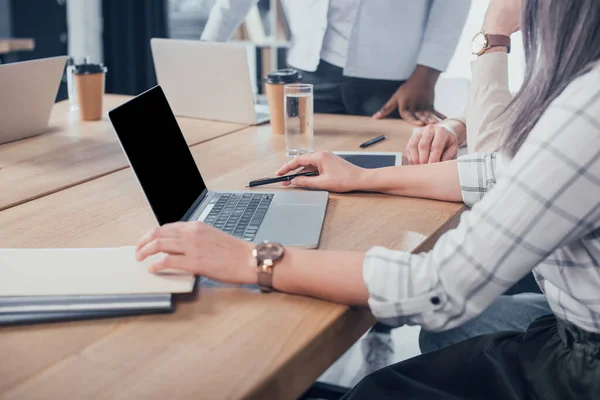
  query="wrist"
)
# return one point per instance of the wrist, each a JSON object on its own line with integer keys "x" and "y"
{"x": 284, "y": 273}
{"x": 250, "y": 276}
{"x": 364, "y": 180}
{"x": 499, "y": 24}
{"x": 425, "y": 75}
{"x": 496, "y": 29}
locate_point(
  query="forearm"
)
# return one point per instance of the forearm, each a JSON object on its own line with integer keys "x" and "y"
{"x": 425, "y": 75}
{"x": 437, "y": 181}
{"x": 488, "y": 98}
{"x": 490, "y": 94}
{"x": 328, "y": 275}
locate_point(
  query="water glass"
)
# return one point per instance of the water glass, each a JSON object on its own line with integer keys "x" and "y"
{"x": 299, "y": 119}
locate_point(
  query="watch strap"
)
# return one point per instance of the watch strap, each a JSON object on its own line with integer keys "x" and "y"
{"x": 498, "y": 40}
{"x": 265, "y": 279}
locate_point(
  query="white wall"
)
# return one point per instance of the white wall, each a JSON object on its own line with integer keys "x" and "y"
{"x": 459, "y": 66}
{"x": 84, "y": 20}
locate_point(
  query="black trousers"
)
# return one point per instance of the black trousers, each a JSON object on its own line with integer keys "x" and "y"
{"x": 335, "y": 93}
{"x": 552, "y": 360}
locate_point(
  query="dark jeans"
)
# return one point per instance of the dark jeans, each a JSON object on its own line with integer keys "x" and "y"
{"x": 335, "y": 93}
{"x": 506, "y": 313}
{"x": 552, "y": 360}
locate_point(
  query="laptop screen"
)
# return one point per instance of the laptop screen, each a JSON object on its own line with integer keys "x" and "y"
{"x": 158, "y": 154}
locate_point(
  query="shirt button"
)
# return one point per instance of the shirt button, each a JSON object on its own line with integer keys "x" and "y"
{"x": 435, "y": 300}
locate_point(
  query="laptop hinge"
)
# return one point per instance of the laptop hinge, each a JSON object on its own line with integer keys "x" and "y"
{"x": 195, "y": 205}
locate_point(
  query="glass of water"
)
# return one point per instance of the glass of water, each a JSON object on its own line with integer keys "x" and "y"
{"x": 299, "y": 119}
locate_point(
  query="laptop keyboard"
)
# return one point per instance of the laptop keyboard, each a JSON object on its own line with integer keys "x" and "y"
{"x": 239, "y": 214}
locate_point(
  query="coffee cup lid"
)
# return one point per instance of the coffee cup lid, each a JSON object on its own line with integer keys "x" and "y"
{"x": 82, "y": 69}
{"x": 283, "y": 76}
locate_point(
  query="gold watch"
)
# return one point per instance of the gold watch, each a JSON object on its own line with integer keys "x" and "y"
{"x": 484, "y": 41}
{"x": 267, "y": 254}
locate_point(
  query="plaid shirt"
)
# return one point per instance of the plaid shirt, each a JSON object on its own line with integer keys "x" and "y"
{"x": 540, "y": 212}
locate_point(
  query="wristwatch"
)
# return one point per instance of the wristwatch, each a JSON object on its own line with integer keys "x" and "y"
{"x": 267, "y": 254}
{"x": 483, "y": 41}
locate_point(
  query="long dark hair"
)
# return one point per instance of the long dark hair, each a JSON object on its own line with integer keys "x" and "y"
{"x": 562, "y": 41}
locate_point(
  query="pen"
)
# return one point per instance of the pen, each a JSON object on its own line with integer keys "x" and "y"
{"x": 372, "y": 141}
{"x": 266, "y": 181}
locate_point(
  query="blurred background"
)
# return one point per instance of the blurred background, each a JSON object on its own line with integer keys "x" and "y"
{"x": 117, "y": 33}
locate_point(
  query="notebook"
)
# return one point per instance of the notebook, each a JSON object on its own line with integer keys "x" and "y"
{"x": 62, "y": 316}
{"x": 49, "y": 304}
{"x": 86, "y": 271}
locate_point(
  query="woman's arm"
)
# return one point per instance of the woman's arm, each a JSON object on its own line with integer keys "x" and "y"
{"x": 437, "y": 181}
{"x": 433, "y": 181}
{"x": 488, "y": 98}
{"x": 489, "y": 94}
{"x": 329, "y": 275}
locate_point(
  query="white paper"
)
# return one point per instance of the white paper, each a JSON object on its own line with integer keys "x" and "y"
{"x": 55, "y": 272}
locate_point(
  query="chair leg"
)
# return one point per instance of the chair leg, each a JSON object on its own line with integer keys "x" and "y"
{"x": 325, "y": 391}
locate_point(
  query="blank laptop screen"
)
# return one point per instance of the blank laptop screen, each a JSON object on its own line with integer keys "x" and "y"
{"x": 158, "y": 154}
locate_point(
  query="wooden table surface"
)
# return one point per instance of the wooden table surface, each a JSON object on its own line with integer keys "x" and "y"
{"x": 74, "y": 151}
{"x": 227, "y": 342}
{"x": 9, "y": 45}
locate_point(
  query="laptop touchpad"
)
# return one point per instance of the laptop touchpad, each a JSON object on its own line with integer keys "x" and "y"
{"x": 292, "y": 225}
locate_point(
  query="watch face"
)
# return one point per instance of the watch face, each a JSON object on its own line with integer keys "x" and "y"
{"x": 269, "y": 251}
{"x": 479, "y": 43}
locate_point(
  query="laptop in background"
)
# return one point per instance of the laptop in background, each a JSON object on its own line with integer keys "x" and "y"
{"x": 207, "y": 80}
{"x": 27, "y": 93}
{"x": 166, "y": 170}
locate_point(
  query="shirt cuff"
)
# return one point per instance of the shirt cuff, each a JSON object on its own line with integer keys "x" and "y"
{"x": 490, "y": 67}
{"x": 392, "y": 298}
{"x": 477, "y": 174}
{"x": 434, "y": 56}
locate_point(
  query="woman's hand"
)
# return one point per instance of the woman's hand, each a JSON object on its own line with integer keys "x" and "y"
{"x": 200, "y": 249}
{"x": 502, "y": 17}
{"x": 435, "y": 143}
{"x": 335, "y": 173}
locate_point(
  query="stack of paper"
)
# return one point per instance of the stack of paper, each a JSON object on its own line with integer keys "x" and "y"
{"x": 38, "y": 285}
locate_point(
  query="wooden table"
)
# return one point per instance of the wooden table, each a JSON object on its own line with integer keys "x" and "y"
{"x": 228, "y": 342}
{"x": 75, "y": 151}
{"x": 10, "y": 45}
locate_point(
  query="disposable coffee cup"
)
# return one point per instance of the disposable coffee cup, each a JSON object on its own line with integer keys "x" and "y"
{"x": 89, "y": 83}
{"x": 274, "y": 83}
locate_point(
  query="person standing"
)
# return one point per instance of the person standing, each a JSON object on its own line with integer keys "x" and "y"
{"x": 379, "y": 58}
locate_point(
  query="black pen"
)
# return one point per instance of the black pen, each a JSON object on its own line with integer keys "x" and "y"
{"x": 372, "y": 141}
{"x": 284, "y": 178}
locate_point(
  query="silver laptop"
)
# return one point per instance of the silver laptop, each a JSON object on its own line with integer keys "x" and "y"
{"x": 207, "y": 80}
{"x": 27, "y": 93}
{"x": 164, "y": 166}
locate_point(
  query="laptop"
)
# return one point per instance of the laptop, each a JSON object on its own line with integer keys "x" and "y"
{"x": 28, "y": 90}
{"x": 207, "y": 80}
{"x": 163, "y": 164}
